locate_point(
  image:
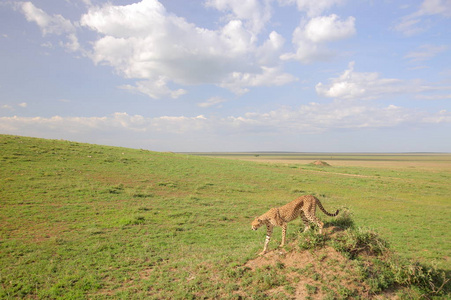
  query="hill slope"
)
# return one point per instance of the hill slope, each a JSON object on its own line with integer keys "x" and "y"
{"x": 80, "y": 220}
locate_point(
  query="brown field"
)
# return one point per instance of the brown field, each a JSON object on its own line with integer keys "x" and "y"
{"x": 427, "y": 161}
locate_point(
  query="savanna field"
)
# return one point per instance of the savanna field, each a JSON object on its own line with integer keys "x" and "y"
{"x": 81, "y": 221}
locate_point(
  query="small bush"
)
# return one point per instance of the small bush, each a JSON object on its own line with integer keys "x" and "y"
{"x": 343, "y": 220}
{"x": 268, "y": 277}
{"x": 428, "y": 279}
{"x": 115, "y": 190}
{"x": 311, "y": 289}
{"x": 385, "y": 269}
{"x": 280, "y": 265}
{"x": 137, "y": 220}
{"x": 142, "y": 195}
{"x": 311, "y": 240}
{"x": 356, "y": 241}
{"x": 298, "y": 191}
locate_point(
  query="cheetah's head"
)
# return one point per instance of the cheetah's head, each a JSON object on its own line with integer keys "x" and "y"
{"x": 256, "y": 224}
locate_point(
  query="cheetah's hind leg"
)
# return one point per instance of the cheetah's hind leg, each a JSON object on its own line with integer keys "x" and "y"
{"x": 315, "y": 220}
{"x": 305, "y": 221}
{"x": 284, "y": 235}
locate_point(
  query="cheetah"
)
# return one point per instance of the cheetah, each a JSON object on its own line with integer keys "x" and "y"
{"x": 304, "y": 206}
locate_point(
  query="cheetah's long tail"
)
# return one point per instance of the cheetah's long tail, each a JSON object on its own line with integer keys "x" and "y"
{"x": 325, "y": 211}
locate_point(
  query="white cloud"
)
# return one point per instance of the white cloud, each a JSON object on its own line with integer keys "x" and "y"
{"x": 425, "y": 52}
{"x": 313, "y": 8}
{"x": 51, "y": 24}
{"x": 408, "y": 26}
{"x": 180, "y": 124}
{"x": 164, "y": 52}
{"x": 369, "y": 85}
{"x": 55, "y": 24}
{"x": 316, "y": 118}
{"x": 412, "y": 24}
{"x": 434, "y": 97}
{"x": 144, "y": 41}
{"x": 436, "y": 7}
{"x": 305, "y": 119}
{"x": 442, "y": 116}
{"x": 156, "y": 88}
{"x": 309, "y": 38}
{"x": 116, "y": 122}
{"x": 268, "y": 53}
{"x": 267, "y": 77}
{"x": 141, "y": 19}
{"x": 72, "y": 44}
{"x": 255, "y": 13}
{"x": 328, "y": 29}
{"x": 213, "y": 101}
{"x": 47, "y": 45}
{"x": 87, "y": 2}
{"x": 12, "y": 107}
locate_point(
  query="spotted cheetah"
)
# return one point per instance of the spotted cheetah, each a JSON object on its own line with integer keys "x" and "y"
{"x": 304, "y": 206}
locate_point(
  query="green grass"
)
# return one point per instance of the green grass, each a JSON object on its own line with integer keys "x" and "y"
{"x": 89, "y": 221}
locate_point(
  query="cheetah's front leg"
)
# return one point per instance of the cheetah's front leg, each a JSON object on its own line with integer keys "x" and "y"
{"x": 268, "y": 238}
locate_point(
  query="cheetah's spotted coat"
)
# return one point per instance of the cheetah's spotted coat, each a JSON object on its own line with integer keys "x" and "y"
{"x": 304, "y": 206}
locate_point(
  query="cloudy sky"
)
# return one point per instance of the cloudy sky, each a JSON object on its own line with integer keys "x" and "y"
{"x": 229, "y": 75}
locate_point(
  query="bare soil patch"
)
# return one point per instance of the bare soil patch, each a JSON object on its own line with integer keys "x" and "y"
{"x": 320, "y": 163}
{"x": 316, "y": 274}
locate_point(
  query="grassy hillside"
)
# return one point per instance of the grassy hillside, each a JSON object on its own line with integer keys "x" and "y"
{"x": 81, "y": 220}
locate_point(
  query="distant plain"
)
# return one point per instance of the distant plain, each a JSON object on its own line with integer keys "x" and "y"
{"x": 430, "y": 161}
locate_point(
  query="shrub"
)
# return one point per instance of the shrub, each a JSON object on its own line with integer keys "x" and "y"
{"x": 427, "y": 278}
{"x": 343, "y": 220}
{"x": 136, "y": 220}
{"x": 384, "y": 269}
{"x": 311, "y": 240}
{"x": 356, "y": 241}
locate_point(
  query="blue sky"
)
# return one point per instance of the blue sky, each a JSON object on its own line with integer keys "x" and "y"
{"x": 229, "y": 75}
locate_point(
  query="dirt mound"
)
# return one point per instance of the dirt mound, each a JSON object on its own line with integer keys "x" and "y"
{"x": 308, "y": 270}
{"x": 320, "y": 163}
{"x": 313, "y": 274}
{"x": 344, "y": 263}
